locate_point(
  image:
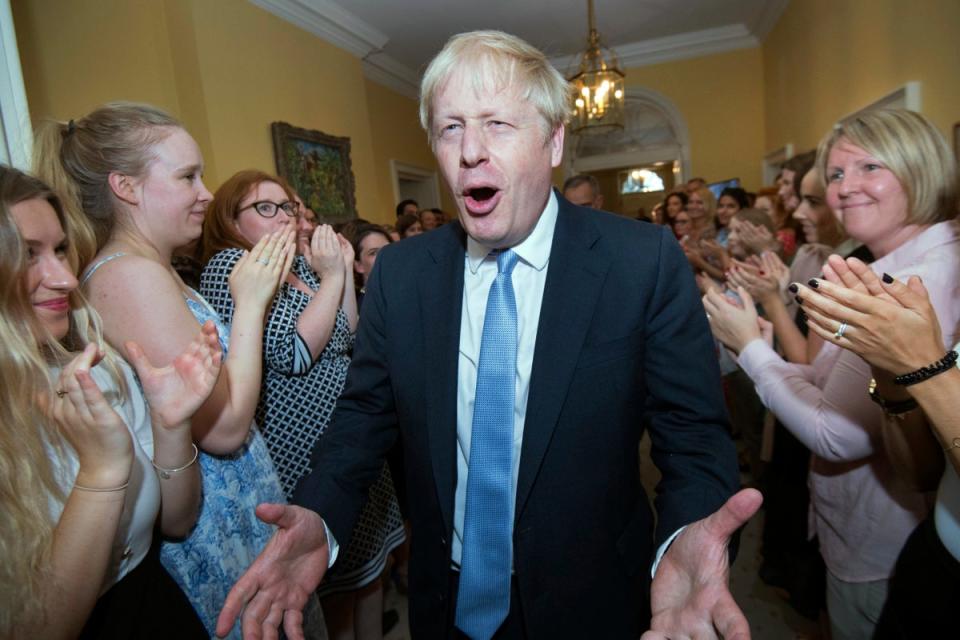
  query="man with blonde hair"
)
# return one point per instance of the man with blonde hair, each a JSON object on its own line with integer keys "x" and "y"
{"x": 574, "y": 331}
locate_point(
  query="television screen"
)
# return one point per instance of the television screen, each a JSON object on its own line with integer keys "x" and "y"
{"x": 718, "y": 187}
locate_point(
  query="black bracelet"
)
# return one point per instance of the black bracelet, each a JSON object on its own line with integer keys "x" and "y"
{"x": 925, "y": 373}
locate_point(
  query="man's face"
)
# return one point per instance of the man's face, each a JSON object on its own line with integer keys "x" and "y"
{"x": 494, "y": 155}
{"x": 583, "y": 195}
{"x": 410, "y": 208}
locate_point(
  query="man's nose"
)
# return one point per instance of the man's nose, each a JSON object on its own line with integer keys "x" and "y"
{"x": 473, "y": 147}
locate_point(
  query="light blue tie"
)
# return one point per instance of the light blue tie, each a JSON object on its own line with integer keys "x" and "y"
{"x": 484, "y": 594}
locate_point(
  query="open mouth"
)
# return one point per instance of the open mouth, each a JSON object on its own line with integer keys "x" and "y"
{"x": 481, "y": 200}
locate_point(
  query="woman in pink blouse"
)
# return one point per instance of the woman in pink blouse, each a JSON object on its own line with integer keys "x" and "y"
{"x": 889, "y": 177}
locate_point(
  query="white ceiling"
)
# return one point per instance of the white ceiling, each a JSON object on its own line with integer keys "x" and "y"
{"x": 397, "y": 38}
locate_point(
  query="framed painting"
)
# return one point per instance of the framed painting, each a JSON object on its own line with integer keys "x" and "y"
{"x": 317, "y": 165}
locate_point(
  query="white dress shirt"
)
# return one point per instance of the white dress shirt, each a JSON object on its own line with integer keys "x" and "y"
{"x": 529, "y": 277}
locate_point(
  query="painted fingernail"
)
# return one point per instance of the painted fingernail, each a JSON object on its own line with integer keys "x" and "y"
{"x": 888, "y": 278}
{"x": 797, "y": 298}
{"x": 814, "y": 283}
{"x": 793, "y": 288}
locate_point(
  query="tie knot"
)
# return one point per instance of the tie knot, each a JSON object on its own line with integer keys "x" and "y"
{"x": 506, "y": 261}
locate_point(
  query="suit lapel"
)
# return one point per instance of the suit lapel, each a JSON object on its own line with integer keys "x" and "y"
{"x": 575, "y": 274}
{"x": 440, "y": 285}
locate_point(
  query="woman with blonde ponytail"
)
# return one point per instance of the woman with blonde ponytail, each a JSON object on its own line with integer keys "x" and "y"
{"x": 136, "y": 175}
{"x": 84, "y": 463}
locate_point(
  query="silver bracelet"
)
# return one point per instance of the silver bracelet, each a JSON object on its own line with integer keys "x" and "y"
{"x": 166, "y": 474}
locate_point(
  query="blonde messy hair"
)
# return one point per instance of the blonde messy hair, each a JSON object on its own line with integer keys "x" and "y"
{"x": 500, "y": 60}
{"x": 915, "y": 152}
{"x": 28, "y": 436}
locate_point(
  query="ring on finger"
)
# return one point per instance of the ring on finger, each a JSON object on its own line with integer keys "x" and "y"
{"x": 840, "y": 330}
{"x": 61, "y": 393}
{"x": 263, "y": 260}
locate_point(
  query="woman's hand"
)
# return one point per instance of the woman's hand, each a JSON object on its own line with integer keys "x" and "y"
{"x": 890, "y": 324}
{"x": 175, "y": 392}
{"x": 259, "y": 272}
{"x": 713, "y": 250}
{"x": 88, "y": 422}
{"x": 757, "y": 281}
{"x": 325, "y": 255}
{"x": 732, "y": 324}
{"x": 756, "y": 238}
{"x": 346, "y": 249}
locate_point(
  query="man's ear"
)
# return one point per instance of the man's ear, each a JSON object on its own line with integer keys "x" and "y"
{"x": 124, "y": 187}
{"x": 556, "y": 146}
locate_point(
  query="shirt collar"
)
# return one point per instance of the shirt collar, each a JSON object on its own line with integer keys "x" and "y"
{"x": 534, "y": 250}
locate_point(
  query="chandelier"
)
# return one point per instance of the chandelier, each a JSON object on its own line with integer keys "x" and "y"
{"x": 598, "y": 85}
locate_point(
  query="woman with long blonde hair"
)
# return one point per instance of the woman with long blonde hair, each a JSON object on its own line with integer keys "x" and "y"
{"x": 86, "y": 466}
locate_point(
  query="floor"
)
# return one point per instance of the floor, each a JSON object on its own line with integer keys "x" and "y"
{"x": 770, "y": 617}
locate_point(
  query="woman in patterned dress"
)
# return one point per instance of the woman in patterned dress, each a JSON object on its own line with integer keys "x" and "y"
{"x": 131, "y": 177}
{"x": 307, "y": 340}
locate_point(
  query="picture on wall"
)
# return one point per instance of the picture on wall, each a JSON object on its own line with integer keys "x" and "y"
{"x": 317, "y": 166}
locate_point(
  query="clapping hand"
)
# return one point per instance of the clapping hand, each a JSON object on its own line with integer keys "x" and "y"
{"x": 732, "y": 324}
{"x": 175, "y": 392}
{"x": 690, "y": 596}
{"x": 756, "y": 238}
{"x": 92, "y": 427}
{"x": 892, "y": 325}
{"x": 325, "y": 253}
{"x": 259, "y": 272}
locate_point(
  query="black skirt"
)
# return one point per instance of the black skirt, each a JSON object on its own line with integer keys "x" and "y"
{"x": 146, "y": 603}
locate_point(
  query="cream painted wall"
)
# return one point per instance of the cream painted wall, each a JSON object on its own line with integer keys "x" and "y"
{"x": 77, "y": 55}
{"x": 825, "y": 59}
{"x": 721, "y": 97}
{"x": 397, "y": 135}
{"x": 227, "y": 69}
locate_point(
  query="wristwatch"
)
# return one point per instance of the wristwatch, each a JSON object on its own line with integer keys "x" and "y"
{"x": 893, "y": 408}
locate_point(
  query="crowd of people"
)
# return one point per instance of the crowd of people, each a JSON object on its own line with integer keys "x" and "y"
{"x": 181, "y": 365}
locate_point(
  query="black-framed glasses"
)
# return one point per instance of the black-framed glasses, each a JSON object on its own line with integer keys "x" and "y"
{"x": 268, "y": 209}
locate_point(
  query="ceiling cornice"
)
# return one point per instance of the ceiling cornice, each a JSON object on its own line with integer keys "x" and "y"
{"x": 332, "y": 23}
{"x": 678, "y": 47}
{"x": 329, "y": 22}
{"x": 384, "y": 70}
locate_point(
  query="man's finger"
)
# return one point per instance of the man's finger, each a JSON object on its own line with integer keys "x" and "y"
{"x": 734, "y": 513}
{"x": 729, "y": 620}
{"x": 236, "y": 600}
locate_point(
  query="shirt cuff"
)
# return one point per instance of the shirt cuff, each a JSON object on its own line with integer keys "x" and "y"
{"x": 663, "y": 549}
{"x": 331, "y": 544}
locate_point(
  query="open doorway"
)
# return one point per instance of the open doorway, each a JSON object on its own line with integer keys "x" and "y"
{"x": 415, "y": 183}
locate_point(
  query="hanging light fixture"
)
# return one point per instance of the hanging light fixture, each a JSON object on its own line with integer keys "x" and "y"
{"x": 598, "y": 85}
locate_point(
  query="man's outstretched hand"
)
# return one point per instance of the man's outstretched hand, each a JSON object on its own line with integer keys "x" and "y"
{"x": 275, "y": 588}
{"x": 690, "y": 596}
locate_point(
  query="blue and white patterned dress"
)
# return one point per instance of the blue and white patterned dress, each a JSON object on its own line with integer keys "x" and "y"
{"x": 228, "y": 536}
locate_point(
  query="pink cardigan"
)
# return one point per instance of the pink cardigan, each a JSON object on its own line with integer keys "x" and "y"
{"x": 861, "y": 511}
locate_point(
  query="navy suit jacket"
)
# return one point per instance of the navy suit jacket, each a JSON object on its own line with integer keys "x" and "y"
{"x": 622, "y": 345}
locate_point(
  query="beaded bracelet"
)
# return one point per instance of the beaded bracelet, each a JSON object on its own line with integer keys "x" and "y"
{"x": 925, "y": 373}
{"x": 166, "y": 474}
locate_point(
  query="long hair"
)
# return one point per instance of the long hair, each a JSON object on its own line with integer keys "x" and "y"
{"x": 219, "y": 230}
{"x": 28, "y": 435}
{"x": 77, "y": 157}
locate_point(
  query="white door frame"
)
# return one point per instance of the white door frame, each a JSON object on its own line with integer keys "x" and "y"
{"x": 16, "y": 132}
{"x": 405, "y": 171}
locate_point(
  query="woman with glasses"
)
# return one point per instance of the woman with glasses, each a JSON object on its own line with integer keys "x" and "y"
{"x": 307, "y": 339}
{"x": 131, "y": 179}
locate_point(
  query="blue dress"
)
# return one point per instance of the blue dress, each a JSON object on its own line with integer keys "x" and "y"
{"x": 228, "y": 536}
